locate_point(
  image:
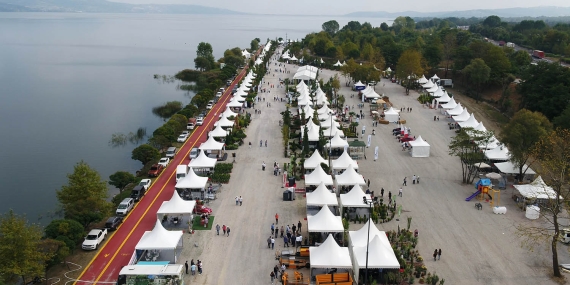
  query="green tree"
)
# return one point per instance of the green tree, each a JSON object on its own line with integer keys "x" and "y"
{"x": 520, "y": 135}
{"x": 202, "y": 63}
{"x": 465, "y": 145}
{"x": 55, "y": 250}
{"x": 384, "y": 26}
{"x": 449, "y": 45}
{"x": 478, "y": 73}
{"x": 121, "y": 179}
{"x": 159, "y": 142}
{"x": 563, "y": 121}
{"x": 20, "y": 253}
{"x": 84, "y": 198}
{"x": 408, "y": 64}
{"x": 254, "y": 45}
{"x": 331, "y": 27}
{"x": 145, "y": 153}
{"x": 433, "y": 52}
{"x": 72, "y": 230}
{"x": 492, "y": 21}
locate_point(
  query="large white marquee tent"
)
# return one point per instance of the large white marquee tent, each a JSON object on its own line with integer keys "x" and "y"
{"x": 161, "y": 240}
{"x": 420, "y": 148}
{"x": 329, "y": 255}
{"x": 317, "y": 176}
{"x": 322, "y": 196}
{"x": 325, "y": 222}
{"x": 350, "y": 177}
{"x": 315, "y": 160}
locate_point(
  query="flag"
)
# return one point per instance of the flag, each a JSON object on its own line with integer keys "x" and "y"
{"x": 399, "y": 210}
{"x": 369, "y": 139}
{"x": 375, "y": 153}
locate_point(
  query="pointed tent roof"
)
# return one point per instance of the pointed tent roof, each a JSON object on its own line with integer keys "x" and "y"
{"x": 234, "y": 103}
{"x": 391, "y": 111}
{"x": 350, "y": 177}
{"x": 344, "y": 161}
{"x": 228, "y": 113}
{"x": 314, "y": 160}
{"x": 480, "y": 127}
{"x": 317, "y": 176}
{"x": 293, "y": 58}
{"x": 469, "y": 123}
{"x": 312, "y": 131}
{"x": 449, "y": 105}
{"x": 325, "y": 117}
{"x": 372, "y": 95}
{"x": 438, "y": 92}
{"x": 159, "y": 238}
{"x": 192, "y": 181}
{"x": 322, "y": 60}
{"x": 224, "y": 122}
{"x": 444, "y": 98}
{"x": 354, "y": 198}
{"x": 419, "y": 142}
{"x": 498, "y": 153}
{"x": 344, "y": 62}
{"x": 434, "y": 77}
{"x": 337, "y": 142}
{"x": 509, "y": 168}
{"x": 211, "y": 144}
{"x": 457, "y": 110}
{"x": 202, "y": 161}
{"x": 333, "y": 131}
{"x": 423, "y": 80}
{"x": 176, "y": 205}
{"x": 428, "y": 85}
{"x": 388, "y": 69}
{"x": 537, "y": 189}
{"x": 325, "y": 221}
{"x": 301, "y": 84}
{"x": 359, "y": 237}
{"x": 380, "y": 254}
{"x": 322, "y": 196}
{"x": 309, "y": 111}
{"x": 493, "y": 143}
{"x": 432, "y": 89}
{"x": 324, "y": 110}
{"x": 337, "y": 63}
{"x": 359, "y": 83}
{"x": 464, "y": 116}
{"x": 258, "y": 61}
{"x": 328, "y": 124}
{"x": 329, "y": 255}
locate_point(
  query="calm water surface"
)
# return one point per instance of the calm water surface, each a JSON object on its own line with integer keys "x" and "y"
{"x": 69, "y": 81}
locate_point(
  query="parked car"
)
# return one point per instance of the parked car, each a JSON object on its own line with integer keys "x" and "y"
{"x": 182, "y": 138}
{"x": 94, "y": 238}
{"x": 209, "y": 106}
{"x": 113, "y": 223}
{"x": 125, "y": 207}
{"x": 138, "y": 193}
{"x": 194, "y": 153}
{"x": 171, "y": 152}
{"x": 145, "y": 183}
{"x": 199, "y": 121}
{"x": 201, "y": 209}
{"x": 187, "y": 133}
{"x": 155, "y": 170}
{"x": 164, "y": 161}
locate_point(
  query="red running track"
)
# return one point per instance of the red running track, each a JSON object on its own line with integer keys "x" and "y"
{"x": 118, "y": 250}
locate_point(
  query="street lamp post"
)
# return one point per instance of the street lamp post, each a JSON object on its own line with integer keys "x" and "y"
{"x": 369, "y": 203}
{"x": 330, "y": 142}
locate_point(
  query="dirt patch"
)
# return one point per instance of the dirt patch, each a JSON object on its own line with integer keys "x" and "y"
{"x": 74, "y": 265}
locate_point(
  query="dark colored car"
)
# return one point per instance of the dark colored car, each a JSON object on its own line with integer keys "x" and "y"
{"x": 113, "y": 223}
{"x": 155, "y": 170}
{"x": 138, "y": 192}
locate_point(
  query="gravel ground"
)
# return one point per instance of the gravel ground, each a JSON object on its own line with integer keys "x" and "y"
{"x": 478, "y": 247}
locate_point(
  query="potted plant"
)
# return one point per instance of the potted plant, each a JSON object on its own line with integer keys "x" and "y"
{"x": 422, "y": 280}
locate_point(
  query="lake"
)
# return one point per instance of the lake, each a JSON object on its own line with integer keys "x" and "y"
{"x": 69, "y": 81}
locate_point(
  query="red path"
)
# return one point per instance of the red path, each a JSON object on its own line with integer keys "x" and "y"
{"x": 119, "y": 248}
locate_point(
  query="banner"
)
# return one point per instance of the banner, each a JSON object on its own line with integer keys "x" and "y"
{"x": 369, "y": 139}
{"x": 375, "y": 153}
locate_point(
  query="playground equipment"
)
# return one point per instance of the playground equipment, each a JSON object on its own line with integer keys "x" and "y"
{"x": 484, "y": 187}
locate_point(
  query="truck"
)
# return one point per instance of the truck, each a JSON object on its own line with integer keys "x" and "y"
{"x": 509, "y": 44}
{"x": 501, "y": 43}
{"x": 94, "y": 238}
{"x": 191, "y": 124}
{"x": 446, "y": 83}
{"x": 181, "y": 171}
{"x": 538, "y": 54}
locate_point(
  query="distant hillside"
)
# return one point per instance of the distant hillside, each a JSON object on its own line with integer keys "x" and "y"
{"x": 546, "y": 11}
{"x": 102, "y": 6}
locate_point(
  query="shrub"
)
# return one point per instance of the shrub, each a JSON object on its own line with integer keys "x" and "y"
{"x": 220, "y": 177}
{"x": 223, "y": 168}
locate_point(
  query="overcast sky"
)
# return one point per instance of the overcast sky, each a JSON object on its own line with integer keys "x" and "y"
{"x": 337, "y": 7}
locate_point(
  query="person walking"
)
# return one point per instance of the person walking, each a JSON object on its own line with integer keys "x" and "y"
{"x": 265, "y": 143}
{"x": 228, "y": 231}
{"x": 400, "y": 192}
{"x": 193, "y": 269}
{"x": 418, "y": 179}
{"x": 269, "y": 242}
{"x": 405, "y": 179}
{"x": 294, "y": 228}
{"x": 276, "y": 269}
{"x": 217, "y": 229}
{"x": 382, "y": 192}
{"x": 237, "y": 200}
{"x": 414, "y": 179}
{"x": 276, "y": 231}
{"x": 368, "y": 183}
{"x": 224, "y": 229}
{"x": 285, "y": 241}
{"x": 389, "y": 195}
{"x": 260, "y": 142}
{"x": 434, "y": 255}
{"x": 439, "y": 254}
{"x": 276, "y": 218}
{"x": 282, "y": 231}
{"x": 299, "y": 225}
{"x": 272, "y": 243}
{"x": 186, "y": 266}
{"x": 272, "y": 229}
{"x": 272, "y": 275}
{"x": 240, "y": 200}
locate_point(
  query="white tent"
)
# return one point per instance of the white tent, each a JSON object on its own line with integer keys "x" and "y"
{"x": 359, "y": 237}
{"x": 192, "y": 181}
{"x": 304, "y": 75}
{"x": 371, "y": 94}
{"x": 449, "y": 105}
{"x": 160, "y": 238}
{"x": 211, "y": 144}
{"x": 462, "y": 117}
{"x": 202, "y": 161}
{"x": 457, "y": 110}
{"x": 480, "y": 127}
{"x": 176, "y": 206}
{"x": 491, "y": 144}
{"x": 309, "y": 68}
{"x": 301, "y": 85}
{"x": 498, "y": 153}
{"x": 337, "y": 63}
{"x": 312, "y": 131}
{"x": 359, "y": 84}
{"x": 317, "y": 176}
{"x": 258, "y": 61}
{"x": 293, "y": 58}
{"x": 308, "y": 110}
{"x": 354, "y": 198}
{"x": 343, "y": 162}
{"x": 537, "y": 190}
{"x": 469, "y": 123}
{"x": 228, "y": 113}
{"x": 509, "y": 168}
{"x": 350, "y": 177}
{"x": 239, "y": 98}
{"x": 444, "y": 98}
{"x": 322, "y": 60}
{"x": 324, "y": 110}
{"x": 333, "y": 131}
{"x": 326, "y": 124}
{"x": 329, "y": 255}
{"x": 304, "y": 101}
{"x": 378, "y": 254}
{"x": 344, "y": 63}
{"x": 428, "y": 85}
{"x": 322, "y": 196}
{"x": 326, "y": 117}
{"x": 391, "y": 115}
{"x": 325, "y": 221}
{"x": 224, "y": 123}
{"x": 218, "y": 132}
{"x": 388, "y": 69}
{"x": 245, "y": 53}
{"x": 336, "y": 142}
{"x": 423, "y": 80}
{"x": 434, "y": 77}
{"x": 314, "y": 160}
{"x": 234, "y": 103}
{"x": 433, "y": 89}
{"x": 420, "y": 148}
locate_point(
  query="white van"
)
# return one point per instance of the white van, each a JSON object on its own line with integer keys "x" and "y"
{"x": 171, "y": 152}
{"x": 181, "y": 171}
{"x": 125, "y": 207}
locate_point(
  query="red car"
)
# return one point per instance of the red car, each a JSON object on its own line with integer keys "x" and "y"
{"x": 407, "y": 139}
{"x": 155, "y": 170}
{"x": 201, "y": 209}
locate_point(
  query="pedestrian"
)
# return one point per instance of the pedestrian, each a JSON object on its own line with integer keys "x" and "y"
{"x": 272, "y": 243}
{"x": 276, "y": 218}
{"x": 434, "y": 118}
{"x": 418, "y": 179}
{"x": 285, "y": 241}
{"x": 200, "y": 267}
{"x": 186, "y": 265}
{"x": 382, "y": 192}
{"x": 269, "y": 242}
{"x": 439, "y": 254}
{"x": 438, "y": 118}
{"x": 299, "y": 225}
{"x": 193, "y": 268}
{"x": 272, "y": 229}
{"x": 237, "y": 200}
{"x": 240, "y": 200}
{"x": 368, "y": 183}
{"x": 224, "y": 228}
{"x": 405, "y": 179}
{"x": 228, "y": 231}
{"x": 288, "y": 230}
{"x": 272, "y": 275}
{"x": 294, "y": 228}
{"x": 249, "y": 144}
{"x": 276, "y": 231}
{"x": 217, "y": 229}
{"x": 281, "y": 231}
{"x": 265, "y": 143}
{"x": 261, "y": 143}
{"x": 414, "y": 179}
{"x": 390, "y": 195}
{"x": 435, "y": 254}
{"x": 276, "y": 269}
{"x": 400, "y": 192}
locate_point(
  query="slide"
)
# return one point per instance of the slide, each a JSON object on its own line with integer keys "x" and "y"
{"x": 472, "y": 196}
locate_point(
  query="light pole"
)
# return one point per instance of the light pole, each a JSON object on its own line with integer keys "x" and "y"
{"x": 330, "y": 142}
{"x": 369, "y": 203}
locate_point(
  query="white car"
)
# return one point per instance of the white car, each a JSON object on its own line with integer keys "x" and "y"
{"x": 182, "y": 138}
{"x": 145, "y": 183}
{"x": 93, "y": 239}
{"x": 209, "y": 106}
{"x": 194, "y": 153}
{"x": 164, "y": 161}
{"x": 199, "y": 121}
{"x": 187, "y": 133}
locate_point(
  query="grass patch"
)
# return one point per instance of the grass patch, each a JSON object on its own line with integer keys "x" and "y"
{"x": 496, "y": 116}
{"x": 198, "y": 227}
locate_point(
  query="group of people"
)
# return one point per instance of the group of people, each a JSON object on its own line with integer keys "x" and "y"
{"x": 225, "y": 229}
{"x": 239, "y": 200}
{"x": 194, "y": 266}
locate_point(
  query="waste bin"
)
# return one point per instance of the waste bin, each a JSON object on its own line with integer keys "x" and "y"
{"x": 286, "y": 195}
{"x": 291, "y": 181}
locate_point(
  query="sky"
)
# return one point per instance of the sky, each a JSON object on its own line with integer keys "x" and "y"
{"x": 337, "y": 7}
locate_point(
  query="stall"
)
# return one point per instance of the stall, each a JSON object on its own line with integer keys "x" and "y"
{"x": 211, "y": 146}
{"x": 354, "y": 199}
{"x": 343, "y": 161}
{"x": 391, "y": 115}
{"x": 350, "y": 177}
{"x": 160, "y": 244}
{"x": 218, "y": 132}
{"x": 315, "y": 160}
{"x": 325, "y": 222}
{"x": 499, "y": 153}
{"x": 322, "y": 196}
{"x": 169, "y": 274}
{"x": 420, "y": 148}
{"x": 228, "y": 113}
{"x": 469, "y": 123}
{"x": 317, "y": 176}
{"x": 537, "y": 192}
{"x": 378, "y": 255}
{"x": 464, "y": 116}
{"x": 202, "y": 163}
{"x": 176, "y": 212}
{"x": 192, "y": 186}
{"x": 224, "y": 123}
{"x": 330, "y": 255}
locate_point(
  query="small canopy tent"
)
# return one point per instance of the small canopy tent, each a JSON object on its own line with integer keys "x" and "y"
{"x": 428, "y": 85}
{"x": 492, "y": 143}
{"x": 176, "y": 206}
{"x": 325, "y": 110}
{"x": 444, "y": 98}
{"x": 462, "y": 117}
{"x": 325, "y": 222}
{"x": 509, "y": 168}
{"x": 498, "y": 153}
{"x": 354, "y": 198}
{"x": 457, "y": 110}
{"x": 192, "y": 181}
{"x": 420, "y": 148}
{"x": 359, "y": 237}
{"x": 304, "y": 75}
{"x": 434, "y": 77}
{"x": 422, "y": 80}
{"x": 317, "y": 176}
{"x": 322, "y": 196}
{"x": 211, "y": 144}
{"x": 359, "y": 85}
{"x": 449, "y": 105}
{"x": 202, "y": 161}
{"x": 328, "y": 124}
{"x": 329, "y": 255}
{"x": 337, "y": 142}
{"x": 337, "y": 63}
{"x": 433, "y": 89}
{"x": 350, "y": 177}
{"x": 224, "y": 122}
{"x": 326, "y": 117}
{"x": 218, "y": 132}
{"x": 469, "y": 123}
{"x": 293, "y": 58}
{"x": 378, "y": 254}
{"x": 234, "y": 103}
{"x": 315, "y": 160}
{"x": 537, "y": 190}
{"x": 333, "y": 131}
{"x": 164, "y": 242}
{"x": 343, "y": 162}
{"x": 391, "y": 115}
{"x": 312, "y": 131}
